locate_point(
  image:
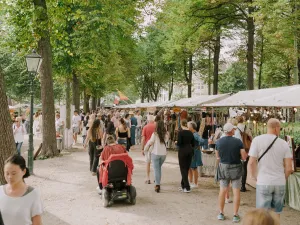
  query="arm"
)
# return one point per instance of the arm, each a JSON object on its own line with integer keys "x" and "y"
{"x": 116, "y": 132}
{"x": 36, "y": 220}
{"x": 152, "y": 140}
{"x": 88, "y": 136}
{"x": 244, "y": 154}
{"x": 218, "y": 157}
{"x": 288, "y": 168}
{"x": 252, "y": 168}
{"x": 128, "y": 132}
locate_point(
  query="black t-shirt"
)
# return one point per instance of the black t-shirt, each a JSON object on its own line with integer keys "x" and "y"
{"x": 229, "y": 149}
{"x": 186, "y": 140}
{"x": 207, "y": 129}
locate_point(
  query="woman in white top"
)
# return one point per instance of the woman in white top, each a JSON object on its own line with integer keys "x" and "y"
{"x": 18, "y": 131}
{"x": 36, "y": 124}
{"x": 158, "y": 145}
{"x": 20, "y": 204}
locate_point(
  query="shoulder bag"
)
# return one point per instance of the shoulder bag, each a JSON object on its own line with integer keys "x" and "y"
{"x": 270, "y": 146}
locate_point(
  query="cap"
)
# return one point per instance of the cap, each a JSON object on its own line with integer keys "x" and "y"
{"x": 228, "y": 127}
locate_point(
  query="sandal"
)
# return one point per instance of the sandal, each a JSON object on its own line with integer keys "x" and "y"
{"x": 147, "y": 182}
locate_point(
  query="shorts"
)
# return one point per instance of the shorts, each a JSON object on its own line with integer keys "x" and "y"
{"x": 75, "y": 130}
{"x": 148, "y": 157}
{"x": 236, "y": 184}
{"x": 270, "y": 197}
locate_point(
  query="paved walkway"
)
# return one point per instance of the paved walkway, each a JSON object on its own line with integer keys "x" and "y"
{"x": 69, "y": 196}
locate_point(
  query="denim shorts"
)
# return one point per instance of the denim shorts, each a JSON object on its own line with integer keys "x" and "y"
{"x": 270, "y": 197}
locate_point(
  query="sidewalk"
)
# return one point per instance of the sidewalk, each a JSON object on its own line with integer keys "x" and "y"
{"x": 69, "y": 196}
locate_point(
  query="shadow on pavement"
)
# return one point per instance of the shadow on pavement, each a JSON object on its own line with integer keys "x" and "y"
{"x": 54, "y": 220}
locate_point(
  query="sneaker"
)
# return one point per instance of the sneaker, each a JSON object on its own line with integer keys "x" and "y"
{"x": 194, "y": 186}
{"x": 236, "y": 219}
{"x": 99, "y": 191}
{"x": 186, "y": 191}
{"x": 227, "y": 201}
{"x": 221, "y": 216}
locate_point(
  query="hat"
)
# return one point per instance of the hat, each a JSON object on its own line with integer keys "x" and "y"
{"x": 228, "y": 127}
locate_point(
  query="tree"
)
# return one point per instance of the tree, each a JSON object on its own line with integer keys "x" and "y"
{"x": 49, "y": 147}
{"x": 234, "y": 79}
{"x": 7, "y": 145}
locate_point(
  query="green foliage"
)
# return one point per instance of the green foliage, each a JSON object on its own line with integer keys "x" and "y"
{"x": 234, "y": 79}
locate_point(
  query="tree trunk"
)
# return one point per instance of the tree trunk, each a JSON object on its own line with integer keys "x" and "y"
{"x": 86, "y": 104}
{"x": 44, "y": 46}
{"x": 171, "y": 86}
{"x": 98, "y": 102}
{"x": 217, "y": 49}
{"x": 185, "y": 70}
{"x": 190, "y": 76}
{"x": 261, "y": 61}
{"x": 7, "y": 144}
{"x": 93, "y": 103}
{"x": 76, "y": 91}
{"x": 68, "y": 105}
{"x": 250, "y": 55}
{"x": 209, "y": 70}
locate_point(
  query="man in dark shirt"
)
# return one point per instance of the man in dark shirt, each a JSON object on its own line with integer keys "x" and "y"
{"x": 229, "y": 150}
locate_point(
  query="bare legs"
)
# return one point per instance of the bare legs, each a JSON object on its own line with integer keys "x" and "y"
{"x": 193, "y": 176}
{"x": 236, "y": 199}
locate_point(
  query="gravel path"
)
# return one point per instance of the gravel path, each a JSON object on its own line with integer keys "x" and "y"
{"x": 70, "y": 198}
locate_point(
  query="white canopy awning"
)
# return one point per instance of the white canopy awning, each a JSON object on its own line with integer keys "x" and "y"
{"x": 288, "y": 96}
{"x": 196, "y": 101}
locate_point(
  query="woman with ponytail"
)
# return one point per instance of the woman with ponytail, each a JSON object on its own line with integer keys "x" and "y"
{"x": 19, "y": 203}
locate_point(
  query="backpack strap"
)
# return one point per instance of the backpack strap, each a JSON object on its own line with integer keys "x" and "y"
{"x": 270, "y": 146}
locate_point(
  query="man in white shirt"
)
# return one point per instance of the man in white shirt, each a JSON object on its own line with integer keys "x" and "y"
{"x": 76, "y": 121}
{"x": 138, "y": 133}
{"x": 272, "y": 158}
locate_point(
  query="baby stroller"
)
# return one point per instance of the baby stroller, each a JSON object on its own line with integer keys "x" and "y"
{"x": 116, "y": 180}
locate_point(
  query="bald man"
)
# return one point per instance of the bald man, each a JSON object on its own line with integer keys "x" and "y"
{"x": 271, "y": 160}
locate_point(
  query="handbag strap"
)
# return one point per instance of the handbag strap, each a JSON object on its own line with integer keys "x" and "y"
{"x": 270, "y": 146}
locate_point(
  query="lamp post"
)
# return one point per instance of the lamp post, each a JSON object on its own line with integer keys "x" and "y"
{"x": 33, "y": 63}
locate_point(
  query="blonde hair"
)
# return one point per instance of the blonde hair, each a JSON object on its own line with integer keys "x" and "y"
{"x": 261, "y": 217}
{"x": 110, "y": 140}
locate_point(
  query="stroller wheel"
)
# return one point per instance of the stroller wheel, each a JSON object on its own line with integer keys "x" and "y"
{"x": 105, "y": 197}
{"x": 132, "y": 194}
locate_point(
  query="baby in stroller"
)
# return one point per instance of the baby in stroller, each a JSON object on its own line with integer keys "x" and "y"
{"x": 114, "y": 174}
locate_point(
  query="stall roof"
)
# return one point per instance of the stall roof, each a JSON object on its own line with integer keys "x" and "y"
{"x": 196, "y": 101}
{"x": 287, "y": 96}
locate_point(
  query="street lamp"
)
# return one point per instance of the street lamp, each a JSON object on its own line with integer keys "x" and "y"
{"x": 33, "y": 63}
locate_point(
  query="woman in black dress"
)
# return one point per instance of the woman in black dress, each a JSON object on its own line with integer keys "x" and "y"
{"x": 185, "y": 144}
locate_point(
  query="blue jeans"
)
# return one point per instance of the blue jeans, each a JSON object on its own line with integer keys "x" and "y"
{"x": 157, "y": 161}
{"x": 270, "y": 196}
{"x": 18, "y": 146}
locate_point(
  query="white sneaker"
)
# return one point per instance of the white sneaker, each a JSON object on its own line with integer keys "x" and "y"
{"x": 99, "y": 191}
{"x": 227, "y": 201}
{"x": 186, "y": 191}
{"x": 193, "y": 186}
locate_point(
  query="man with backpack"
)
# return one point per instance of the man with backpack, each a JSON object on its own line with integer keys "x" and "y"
{"x": 244, "y": 134}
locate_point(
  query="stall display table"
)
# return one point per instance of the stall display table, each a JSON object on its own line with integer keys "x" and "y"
{"x": 209, "y": 164}
{"x": 292, "y": 197}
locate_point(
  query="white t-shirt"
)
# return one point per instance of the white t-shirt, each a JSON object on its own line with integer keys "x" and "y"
{"x": 20, "y": 210}
{"x": 18, "y": 133}
{"x": 270, "y": 167}
{"x": 158, "y": 147}
{"x": 76, "y": 121}
{"x": 139, "y": 120}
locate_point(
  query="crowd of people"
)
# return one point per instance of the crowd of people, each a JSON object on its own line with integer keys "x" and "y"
{"x": 266, "y": 159}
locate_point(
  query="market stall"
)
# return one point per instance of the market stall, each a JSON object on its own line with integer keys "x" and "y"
{"x": 263, "y": 104}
